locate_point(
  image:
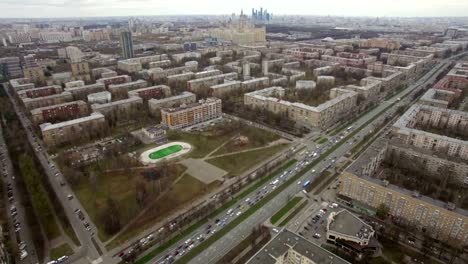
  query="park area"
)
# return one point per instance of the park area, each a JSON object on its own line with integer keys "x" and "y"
{"x": 139, "y": 195}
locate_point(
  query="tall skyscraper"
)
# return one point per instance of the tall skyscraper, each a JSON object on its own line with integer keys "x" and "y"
{"x": 126, "y": 43}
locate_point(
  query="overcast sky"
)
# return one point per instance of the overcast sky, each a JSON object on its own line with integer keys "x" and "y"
{"x": 84, "y": 8}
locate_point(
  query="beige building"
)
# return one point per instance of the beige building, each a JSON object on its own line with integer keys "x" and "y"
{"x": 56, "y": 134}
{"x": 441, "y": 220}
{"x": 121, "y": 109}
{"x": 35, "y": 74}
{"x": 81, "y": 71}
{"x": 240, "y": 31}
{"x": 438, "y": 98}
{"x": 342, "y": 103}
{"x": 155, "y": 105}
{"x": 407, "y": 129}
{"x": 81, "y": 92}
{"x": 189, "y": 115}
{"x": 381, "y": 43}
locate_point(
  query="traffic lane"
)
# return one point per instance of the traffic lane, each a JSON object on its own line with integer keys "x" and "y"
{"x": 82, "y": 235}
{"x": 24, "y": 234}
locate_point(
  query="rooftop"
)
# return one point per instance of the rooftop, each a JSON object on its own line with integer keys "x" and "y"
{"x": 344, "y": 222}
{"x": 49, "y": 126}
{"x": 286, "y": 240}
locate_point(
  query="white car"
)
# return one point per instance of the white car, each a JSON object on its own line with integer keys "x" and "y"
{"x": 23, "y": 254}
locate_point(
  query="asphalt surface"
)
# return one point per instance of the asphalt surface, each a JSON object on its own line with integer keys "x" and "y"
{"x": 89, "y": 251}
{"x": 16, "y": 205}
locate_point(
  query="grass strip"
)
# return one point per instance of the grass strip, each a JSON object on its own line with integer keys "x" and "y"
{"x": 197, "y": 225}
{"x": 278, "y": 215}
{"x": 62, "y": 250}
{"x": 294, "y": 213}
{"x": 322, "y": 140}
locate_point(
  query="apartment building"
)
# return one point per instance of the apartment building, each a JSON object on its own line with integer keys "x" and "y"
{"x": 153, "y": 92}
{"x": 438, "y": 98}
{"x": 442, "y": 220}
{"x": 114, "y": 80}
{"x": 221, "y": 90}
{"x": 103, "y": 97}
{"x": 80, "y": 70}
{"x": 74, "y": 84}
{"x": 103, "y": 73}
{"x": 198, "y": 85}
{"x": 189, "y": 115}
{"x": 381, "y": 43}
{"x": 157, "y": 74}
{"x": 432, "y": 118}
{"x": 155, "y": 105}
{"x": 21, "y": 84}
{"x": 351, "y": 59}
{"x": 255, "y": 84}
{"x": 124, "y": 88}
{"x": 82, "y": 92}
{"x": 68, "y": 131}
{"x": 65, "y": 111}
{"x": 35, "y": 74}
{"x": 37, "y": 102}
{"x": 119, "y": 109}
{"x": 342, "y": 103}
{"x": 11, "y": 67}
{"x": 39, "y": 92}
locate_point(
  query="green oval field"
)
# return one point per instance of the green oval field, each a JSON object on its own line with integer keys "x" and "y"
{"x": 165, "y": 152}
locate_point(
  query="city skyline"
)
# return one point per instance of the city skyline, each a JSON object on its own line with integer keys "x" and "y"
{"x": 90, "y": 8}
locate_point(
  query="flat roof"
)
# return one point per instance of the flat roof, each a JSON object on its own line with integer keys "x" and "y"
{"x": 49, "y": 126}
{"x": 344, "y": 222}
{"x": 286, "y": 240}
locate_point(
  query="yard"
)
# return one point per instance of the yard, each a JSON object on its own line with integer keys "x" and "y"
{"x": 236, "y": 164}
{"x": 119, "y": 185}
{"x": 184, "y": 191}
{"x": 207, "y": 141}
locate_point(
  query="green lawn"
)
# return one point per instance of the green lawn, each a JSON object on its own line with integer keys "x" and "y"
{"x": 322, "y": 140}
{"x": 183, "y": 192}
{"x": 278, "y": 215}
{"x": 121, "y": 187}
{"x": 202, "y": 143}
{"x": 236, "y": 164}
{"x": 293, "y": 213}
{"x": 256, "y": 138}
{"x": 165, "y": 152}
{"x": 62, "y": 250}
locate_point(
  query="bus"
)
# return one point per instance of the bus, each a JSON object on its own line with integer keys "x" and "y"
{"x": 306, "y": 184}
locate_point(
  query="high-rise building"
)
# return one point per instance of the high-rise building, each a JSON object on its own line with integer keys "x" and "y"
{"x": 126, "y": 43}
{"x": 11, "y": 66}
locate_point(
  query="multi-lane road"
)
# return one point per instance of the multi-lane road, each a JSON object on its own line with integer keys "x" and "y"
{"x": 91, "y": 247}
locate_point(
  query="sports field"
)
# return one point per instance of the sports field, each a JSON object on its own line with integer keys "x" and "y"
{"x": 165, "y": 152}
